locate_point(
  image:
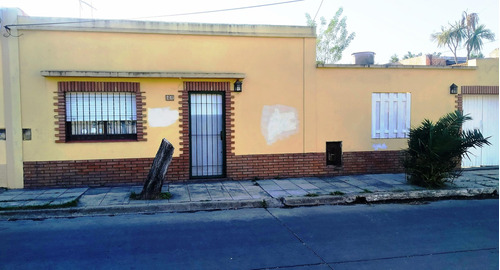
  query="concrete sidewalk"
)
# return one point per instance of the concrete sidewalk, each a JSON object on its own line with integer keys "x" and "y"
{"x": 219, "y": 195}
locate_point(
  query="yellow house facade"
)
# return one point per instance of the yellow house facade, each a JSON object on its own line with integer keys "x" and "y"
{"x": 88, "y": 102}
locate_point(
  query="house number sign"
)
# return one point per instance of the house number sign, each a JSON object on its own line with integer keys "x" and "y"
{"x": 169, "y": 97}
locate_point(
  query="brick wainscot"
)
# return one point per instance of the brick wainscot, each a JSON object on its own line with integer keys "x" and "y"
{"x": 133, "y": 171}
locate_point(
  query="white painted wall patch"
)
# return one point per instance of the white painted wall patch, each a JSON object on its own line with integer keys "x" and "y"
{"x": 162, "y": 117}
{"x": 278, "y": 122}
{"x": 378, "y": 146}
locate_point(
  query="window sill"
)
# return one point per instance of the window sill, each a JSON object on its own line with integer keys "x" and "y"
{"x": 102, "y": 141}
{"x": 390, "y": 138}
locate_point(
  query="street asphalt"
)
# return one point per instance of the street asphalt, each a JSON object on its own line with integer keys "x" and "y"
{"x": 448, "y": 234}
{"x": 222, "y": 195}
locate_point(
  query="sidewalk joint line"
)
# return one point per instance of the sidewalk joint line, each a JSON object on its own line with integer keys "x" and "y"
{"x": 227, "y": 190}
{"x": 188, "y": 192}
{"x": 241, "y": 185}
{"x": 263, "y": 189}
{"x": 208, "y": 191}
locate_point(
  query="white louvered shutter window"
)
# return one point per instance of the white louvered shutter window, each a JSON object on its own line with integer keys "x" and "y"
{"x": 390, "y": 115}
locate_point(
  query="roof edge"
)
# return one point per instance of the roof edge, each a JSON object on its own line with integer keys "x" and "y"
{"x": 394, "y": 66}
{"x": 156, "y": 27}
{"x": 142, "y": 74}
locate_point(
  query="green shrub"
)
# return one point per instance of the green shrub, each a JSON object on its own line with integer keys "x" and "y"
{"x": 435, "y": 150}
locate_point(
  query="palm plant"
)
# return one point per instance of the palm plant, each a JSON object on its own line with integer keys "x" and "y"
{"x": 475, "y": 41}
{"x": 466, "y": 32}
{"x": 435, "y": 150}
{"x": 451, "y": 37}
{"x": 474, "y": 34}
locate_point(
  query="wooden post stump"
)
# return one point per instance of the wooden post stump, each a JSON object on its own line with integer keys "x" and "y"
{"x": 154, "y": 181}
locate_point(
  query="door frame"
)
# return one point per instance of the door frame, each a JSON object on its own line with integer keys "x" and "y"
{"x": 224, "y": 131}
{"x": 466, "y": 90}
{"x": 476, "y": 107}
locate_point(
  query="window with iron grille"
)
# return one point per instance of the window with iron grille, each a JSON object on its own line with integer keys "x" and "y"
{"x": 100, "y": 116}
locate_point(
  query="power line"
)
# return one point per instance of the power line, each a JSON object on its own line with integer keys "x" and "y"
{"x": 318, "y": 11}
{"x": 8, "y": 27}
{"x": 222, "y": 10}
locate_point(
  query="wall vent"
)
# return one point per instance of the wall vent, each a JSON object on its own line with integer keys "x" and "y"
{"x": 334, "y": 153}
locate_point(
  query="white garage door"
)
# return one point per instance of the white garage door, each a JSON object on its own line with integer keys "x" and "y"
{"x": 484, "y": 112}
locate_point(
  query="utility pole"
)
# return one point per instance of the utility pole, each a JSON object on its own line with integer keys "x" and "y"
{"x": 84, "y": 5}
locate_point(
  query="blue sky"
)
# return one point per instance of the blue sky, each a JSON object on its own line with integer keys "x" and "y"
{"x": 385, "y": 27}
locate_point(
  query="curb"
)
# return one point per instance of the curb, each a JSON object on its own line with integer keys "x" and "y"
{"x": 389, "y": 197}
{"x": 138, "y": 209}
{"x": 362, "y": 198}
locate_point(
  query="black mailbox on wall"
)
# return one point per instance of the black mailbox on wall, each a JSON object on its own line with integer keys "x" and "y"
{"x": 334, "y": 153}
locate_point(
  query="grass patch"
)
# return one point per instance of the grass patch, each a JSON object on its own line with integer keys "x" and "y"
{"x": 72, "y": 203}
{"x": 311, "y": 195}
{"x": 163, "y": 196}
{"x": 133, "y": 195}
{"x": 366, "y": 191}
{"x": 264, "y": 204}
{"x": 338, "y": 193}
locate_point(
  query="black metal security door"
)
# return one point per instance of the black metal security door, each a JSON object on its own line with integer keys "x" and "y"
{"x": 206, "y": 114}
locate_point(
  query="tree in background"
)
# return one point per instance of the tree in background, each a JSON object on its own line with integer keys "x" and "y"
{"x": 394, "y": 58}
{"x": 333, "y": 37}
{"x": 451, "y": 37}
{"x": 467, "y": 33}
{"x": 411, "y": 55}
{"x": 476, "y": 56}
